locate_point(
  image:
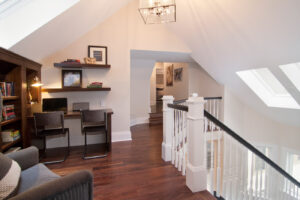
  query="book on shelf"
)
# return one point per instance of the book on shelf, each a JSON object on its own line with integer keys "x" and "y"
{"x": 8, "y": 112}
{"x": 7, "y": 88}
{"x": 10, "y": 135}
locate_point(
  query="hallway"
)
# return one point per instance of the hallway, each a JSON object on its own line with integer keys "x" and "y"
{"x": 134, "y": 170}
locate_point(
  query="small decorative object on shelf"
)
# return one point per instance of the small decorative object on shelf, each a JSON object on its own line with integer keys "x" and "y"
{"x": 71, "y": 78}
{"x": 95, "y": 85}
{"x": 10, "y": 135}
{"x": 88, "y": 60}
{"x": 99, "y": 53}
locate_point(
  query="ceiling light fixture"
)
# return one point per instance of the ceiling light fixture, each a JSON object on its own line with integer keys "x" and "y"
{"x": 158, "y": 11}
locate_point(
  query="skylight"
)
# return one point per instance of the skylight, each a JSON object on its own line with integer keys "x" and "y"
{"x": 292, "y": 71}
{"x": 265, "y": 85}
{"x": 20, "y": 18}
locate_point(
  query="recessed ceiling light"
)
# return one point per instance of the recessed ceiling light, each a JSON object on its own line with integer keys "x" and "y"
{"x": 265, "y": 85}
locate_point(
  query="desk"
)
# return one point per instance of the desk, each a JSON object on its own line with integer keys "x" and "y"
{"x": 69, "y": 115}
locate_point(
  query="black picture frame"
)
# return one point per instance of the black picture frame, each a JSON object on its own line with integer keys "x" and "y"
{"x": 76, "y": 75}
{"x": 98, "y": 52}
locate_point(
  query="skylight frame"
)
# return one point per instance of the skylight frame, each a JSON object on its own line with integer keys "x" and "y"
{"x": 292, "y": 71}
{"x": 264, "y": 91}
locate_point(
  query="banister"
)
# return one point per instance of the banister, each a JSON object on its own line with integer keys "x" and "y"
{"x": 251, "y": 148}
{"x": 178, "y": 107}
{"x": 205, "y": 98}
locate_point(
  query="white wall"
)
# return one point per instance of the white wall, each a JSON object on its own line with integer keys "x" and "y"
{"x": 180, "y": 89}
{"x": 122, "y": 32}
{"x": 141, "y": 71}
{"x": 257, "y": 128}
{"x": 153, "y": 87}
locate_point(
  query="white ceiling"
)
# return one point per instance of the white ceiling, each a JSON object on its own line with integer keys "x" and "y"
{"x": 225, "y": 36}
{"x": 67, "y": 27}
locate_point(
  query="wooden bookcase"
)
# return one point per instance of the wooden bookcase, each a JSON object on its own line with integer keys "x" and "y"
{"x": 21, "y": 71}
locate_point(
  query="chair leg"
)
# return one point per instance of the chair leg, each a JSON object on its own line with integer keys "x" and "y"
{"x": 68, "y": 143}
{"x": 66, "y": 154}
{"x": 85, "y": 151}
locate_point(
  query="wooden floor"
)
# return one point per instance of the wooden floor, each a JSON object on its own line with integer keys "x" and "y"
{"x": 133, "y": 170}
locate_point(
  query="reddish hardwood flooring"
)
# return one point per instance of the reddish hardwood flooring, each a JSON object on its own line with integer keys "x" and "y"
{"x": 133, "y": 170}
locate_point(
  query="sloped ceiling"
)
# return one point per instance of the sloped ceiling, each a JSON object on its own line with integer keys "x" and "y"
{"x": 226, "y": 36}
{"x": 67, "y": 27}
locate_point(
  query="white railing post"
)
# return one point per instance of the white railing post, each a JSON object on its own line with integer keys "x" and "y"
{"x": 168, "y": 128}
{"x": 196, "y": 173}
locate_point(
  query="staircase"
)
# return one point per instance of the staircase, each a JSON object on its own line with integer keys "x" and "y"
{"x": 156, "y": 115}
{"x": 215, "y": 158}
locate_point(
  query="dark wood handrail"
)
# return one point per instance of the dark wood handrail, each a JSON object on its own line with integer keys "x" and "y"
{"x": 178, "y": 107}
{"x": 251, "y": 148}
{"x": 241, "y": 141}
{"x": 205, "y": 98}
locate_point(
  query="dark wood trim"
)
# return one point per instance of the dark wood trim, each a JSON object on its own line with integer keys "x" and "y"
{"x": 205, "y": 98}
{"x": 56, "y": 90}
{"x": 179, "y": 107}
{"x": 16, "y": 56}
{"x": 8, "y": 98}
{"x": 90, "y": 66}
{"x": 6, "y": 145}
{"x": 3, "y": 123}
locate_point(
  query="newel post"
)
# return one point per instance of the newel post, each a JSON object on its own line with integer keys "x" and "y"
{"x": 168, "y": 124}
{"x": 196, "y": 173}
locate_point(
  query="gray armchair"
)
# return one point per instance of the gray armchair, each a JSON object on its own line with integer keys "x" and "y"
{"x": 37, "y": 182}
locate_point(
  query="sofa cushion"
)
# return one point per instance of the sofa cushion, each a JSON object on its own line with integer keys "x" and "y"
{"x": 9, "y": 176}
{"x": 35, "y": 176}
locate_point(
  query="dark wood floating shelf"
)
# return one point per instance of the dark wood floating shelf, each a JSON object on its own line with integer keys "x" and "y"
{"x": 7, "y": 145}
{"x": 9, "y": 121}
{"x": 5, "y": 98}
{"x": 79, "y": 65}
{"x": 54, "y": 90}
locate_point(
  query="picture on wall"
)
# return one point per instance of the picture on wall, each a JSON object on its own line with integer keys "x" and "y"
{"x": 169, "y": 75}
{"x": 178, "y": 74}
{"x": 99, "y": 53}
{"x": 71, "y": 78}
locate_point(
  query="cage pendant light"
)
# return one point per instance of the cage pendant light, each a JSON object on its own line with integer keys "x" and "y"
{"x": 158, "y": 11}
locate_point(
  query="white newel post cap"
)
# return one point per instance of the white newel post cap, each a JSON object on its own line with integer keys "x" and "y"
{"x": 166, "y": 101}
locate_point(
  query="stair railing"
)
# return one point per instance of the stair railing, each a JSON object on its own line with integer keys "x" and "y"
{"x": 215, "y": 158}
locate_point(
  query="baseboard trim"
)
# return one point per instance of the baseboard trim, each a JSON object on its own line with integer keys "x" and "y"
{"x": 119, "y": 136}
{"x": 140, "y": 120}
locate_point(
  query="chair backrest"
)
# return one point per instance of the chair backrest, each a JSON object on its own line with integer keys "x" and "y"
{"x": 93, "y": 116}
{"x": 48, "y": 120}
{"x": 79, "y": 106}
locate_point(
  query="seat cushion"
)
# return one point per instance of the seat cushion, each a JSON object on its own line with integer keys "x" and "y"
{"x": 35, "y": 176}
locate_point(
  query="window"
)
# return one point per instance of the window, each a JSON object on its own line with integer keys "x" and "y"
{"x": 292, "y": 71}
{"x": 265, "y": 85}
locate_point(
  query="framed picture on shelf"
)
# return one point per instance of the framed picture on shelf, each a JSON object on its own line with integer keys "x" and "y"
{"x": 99, "y": 53}
{"x": 71, "y": 78}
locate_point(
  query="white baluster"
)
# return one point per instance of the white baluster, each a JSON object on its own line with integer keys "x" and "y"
{"x": 237, "y": 175}
{"x": 180, "y": 141}
{"x": 184, "y": 144}
{"x": 261, "y": 162}
{"x": 176, "y": 138}
{"x": 256, "y": 177}
{"x": 251, "y": 176}
{"x": 211, "y": 161}
{"x": 168, "y": 128}
{"x": 219, "y": 165}
{"x": 225, "y": 161}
